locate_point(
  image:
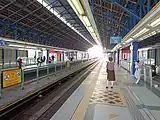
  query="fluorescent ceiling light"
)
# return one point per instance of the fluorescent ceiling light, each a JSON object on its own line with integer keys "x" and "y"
{"x": 155, "y": 23}
{"x": 152, "y": 33}
{"x": 30, "y": 47}
{"x": 76, "y": 5}
{"x": 86, "y": 20}
{"x": 45, "y": 4}
{"x": 48, "y": 7}
{"x": 158, "y": 30}
{"x": 94, "y": 34}
{"x": 91, "y": 29}
{"x": 40, "y": 1}
{"x": 141, "y": 32}
{"x": 13, "y": 45}
{"x": 130, "y": 39}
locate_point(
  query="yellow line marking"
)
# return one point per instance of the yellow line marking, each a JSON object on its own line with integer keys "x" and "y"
{"x": 81, "y": 110}
{"x": 122, "y": 97}
{"x": 112, "y": 116}
{"x": 87, "y": 82}
{"x": 82, "y": 107}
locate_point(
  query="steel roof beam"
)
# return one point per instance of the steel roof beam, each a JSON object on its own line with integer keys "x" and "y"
{"x": 33, "y": 12}
{"x": 10, "y": 3}
{"x": 109, "y": 9}
{"x": 122, "y": 15}
{"x": 20, "y": 9}
{"x": 44, "y": 21}
{"x": 42, "y": 31}
{"x": 115, "y": 21}
{"x": 125, "y": 9}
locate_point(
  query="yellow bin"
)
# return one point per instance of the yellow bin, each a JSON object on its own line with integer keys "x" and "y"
{"x": 67, "y": 64}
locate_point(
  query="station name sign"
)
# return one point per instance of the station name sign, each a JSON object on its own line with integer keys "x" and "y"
{"x": 115, "y": 40}
{"x": 3, "y": 43}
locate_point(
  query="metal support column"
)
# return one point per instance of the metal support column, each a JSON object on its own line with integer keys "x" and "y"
{"x": 134, "y": 50}
{"x": 148, "y": 5}
{"x": 47, "y": 56}
{"x": 2, "y": 58}
{"x": 63, "y": 56}
{"x": 93, "y": 7}
{"x": 118, "y": 55}
{"x": 141, "y": 8}
{"x": 155, "y": 57}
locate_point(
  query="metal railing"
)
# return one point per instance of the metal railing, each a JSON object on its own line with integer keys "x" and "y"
{"x": 13, "y": 63}
{"x": 51, "y": 69}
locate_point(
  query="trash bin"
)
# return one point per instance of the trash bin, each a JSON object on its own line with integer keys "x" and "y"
{"x": 67, "y": 64}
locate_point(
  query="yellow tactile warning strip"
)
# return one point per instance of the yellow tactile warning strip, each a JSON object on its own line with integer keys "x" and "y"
{"x": 102, "y": 96}
{"x": 82, "y": 107}
{"x": 86, "y": 82}
{"x": 112, "y": 116}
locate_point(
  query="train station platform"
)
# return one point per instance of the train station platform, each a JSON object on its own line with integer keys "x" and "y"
{"x": 14, "y": 94}
{"x": 126, "y": 101}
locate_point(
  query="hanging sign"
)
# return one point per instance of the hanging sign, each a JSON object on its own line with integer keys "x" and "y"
{"x": 115, "y": 40}
{"x": 3, "y": 43}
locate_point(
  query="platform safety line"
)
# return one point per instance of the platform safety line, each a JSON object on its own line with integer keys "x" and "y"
{"x": 82, "y": 107}
{"x": 123, "y": 98}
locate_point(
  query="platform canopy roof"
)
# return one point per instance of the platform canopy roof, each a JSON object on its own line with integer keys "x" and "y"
{"x": 55, "y": 23}
{"x": 49, "y": 23}
{"x": 118, "y": 17}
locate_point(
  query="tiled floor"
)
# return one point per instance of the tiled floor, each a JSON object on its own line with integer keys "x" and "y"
{"x": 110, "y": 97}
{"x": 107, "y": 104}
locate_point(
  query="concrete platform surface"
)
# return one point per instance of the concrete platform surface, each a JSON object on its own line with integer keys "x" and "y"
{"x": 126, "y": 101}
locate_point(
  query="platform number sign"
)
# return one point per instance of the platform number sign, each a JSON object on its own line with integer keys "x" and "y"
{"x": 115, "y": 40}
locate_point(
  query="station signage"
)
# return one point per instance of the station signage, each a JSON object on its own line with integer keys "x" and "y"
{"x": 3, "y": 43}
{"x": 115, "y": 40}
{"x": 11, "y": 77}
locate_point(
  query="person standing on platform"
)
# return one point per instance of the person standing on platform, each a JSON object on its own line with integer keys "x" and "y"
{"x": 49, "y": 60}
{"x": 138, "y": 67}
{"x": 20, "y": 62}
{"x": 53, "y": 58}
{"x": 110, "y": 72}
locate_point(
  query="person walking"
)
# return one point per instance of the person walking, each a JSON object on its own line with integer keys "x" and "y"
{"x": 110, "y": 72}
{"x": 138, "y": 67}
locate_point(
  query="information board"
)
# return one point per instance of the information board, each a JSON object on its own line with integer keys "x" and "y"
{"x": 115, "y": 40}
{"x": 11, "y": 77}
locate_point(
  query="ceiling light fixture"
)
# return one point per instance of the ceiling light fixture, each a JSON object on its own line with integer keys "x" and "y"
{"x": 77, "y": 6}
{"x": 155, "y": 23}
{"x": 91, "y": 29}
{"x": 141, "y": 32}
{"x": 129, "y": 40}
{"x": 86, "y": 20}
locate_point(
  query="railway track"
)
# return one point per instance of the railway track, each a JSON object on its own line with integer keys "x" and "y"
{"x": 43, "y": 104}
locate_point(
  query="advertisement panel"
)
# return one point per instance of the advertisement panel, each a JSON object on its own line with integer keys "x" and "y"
{"x": 11, "y": 77}
{"x": 115, "y": 40}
